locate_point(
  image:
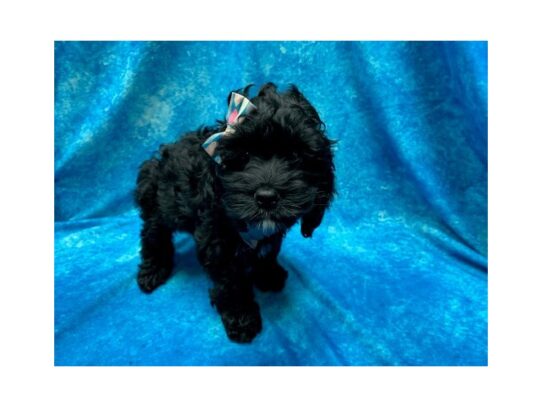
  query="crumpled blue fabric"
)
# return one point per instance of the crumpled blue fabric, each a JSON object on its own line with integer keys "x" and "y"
{"x": 395, "y": 275}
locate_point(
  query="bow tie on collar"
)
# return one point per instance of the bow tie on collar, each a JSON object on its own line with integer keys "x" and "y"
{"x": 239, "y": 108}
{"x": 255, "y": 232}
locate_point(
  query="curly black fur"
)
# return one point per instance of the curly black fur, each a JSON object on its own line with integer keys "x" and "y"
{"x": 281, "y": 147}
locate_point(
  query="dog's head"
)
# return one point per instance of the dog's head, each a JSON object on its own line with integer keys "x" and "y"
{"x": 277, "y": 165}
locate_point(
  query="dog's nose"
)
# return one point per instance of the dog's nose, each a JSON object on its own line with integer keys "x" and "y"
{"x": 266, "y": 197}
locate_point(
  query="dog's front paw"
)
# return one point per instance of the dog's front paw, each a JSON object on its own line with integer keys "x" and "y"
{"x": 270, "y": 277}
{"x": 242, "y": 324}
{"x": 150, "y": 277}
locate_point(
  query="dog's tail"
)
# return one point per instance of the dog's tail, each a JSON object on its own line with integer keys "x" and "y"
{"x": 147, "y": 185}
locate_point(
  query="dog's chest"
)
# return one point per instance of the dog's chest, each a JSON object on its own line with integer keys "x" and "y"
{"x": 256, "y": 248}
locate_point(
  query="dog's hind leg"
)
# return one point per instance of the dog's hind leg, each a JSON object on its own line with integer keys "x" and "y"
{"x": 156, "y": 239}
{"x": 156, "y": 255}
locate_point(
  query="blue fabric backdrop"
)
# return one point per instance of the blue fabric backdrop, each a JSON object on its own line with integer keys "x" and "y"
{"x": 395, "y": 275}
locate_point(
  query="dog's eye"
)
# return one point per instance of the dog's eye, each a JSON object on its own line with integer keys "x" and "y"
{"x": 236, "y": 163}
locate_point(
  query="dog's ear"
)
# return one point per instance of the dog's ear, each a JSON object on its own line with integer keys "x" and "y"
{"x": 323, "y": 174}
{"x": 268, "y": 89}
{"x": 296, "y": 98}
{"x": 319, "y": 158}
{"x": 268, "y": 100}
{"x": 320, "y": 161}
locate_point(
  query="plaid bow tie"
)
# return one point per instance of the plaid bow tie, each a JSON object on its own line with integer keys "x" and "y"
{"x": 239, "y": 108}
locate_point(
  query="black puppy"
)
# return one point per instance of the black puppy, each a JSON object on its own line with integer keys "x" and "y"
{"x": 237, "y": 187}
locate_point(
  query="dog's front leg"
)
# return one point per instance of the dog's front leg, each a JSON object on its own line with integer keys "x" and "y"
{"x": 268, "y": 274}
{"x": 232, "y": 293}
{"x": 233, "y": 298}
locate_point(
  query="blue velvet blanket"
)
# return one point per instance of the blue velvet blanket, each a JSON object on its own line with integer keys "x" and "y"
{"x": 395, "y": 275}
